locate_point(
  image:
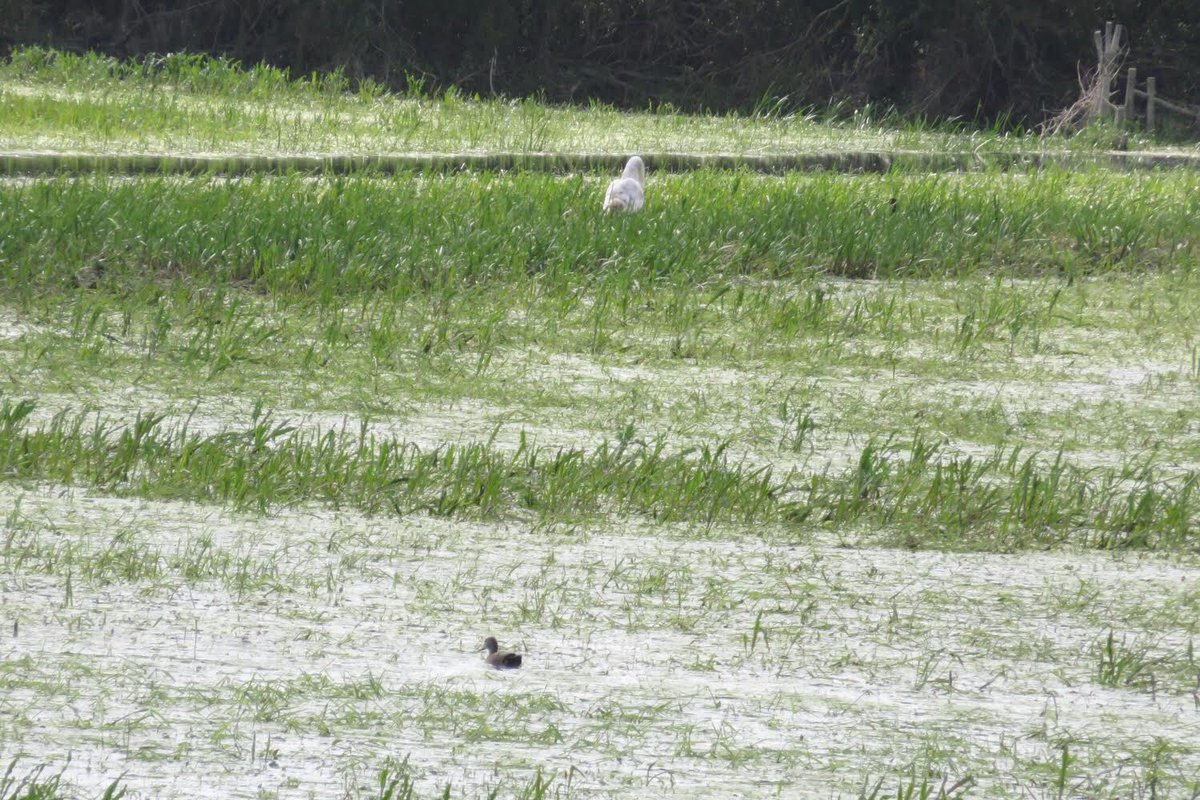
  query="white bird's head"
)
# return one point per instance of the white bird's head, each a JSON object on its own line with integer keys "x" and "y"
{"x": 636, "y": 169}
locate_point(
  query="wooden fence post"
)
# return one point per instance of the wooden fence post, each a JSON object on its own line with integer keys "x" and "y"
{"x": 1108, "y": 54}
{"x": 1150, "y": 92}
{"x": 1130, "y": 89}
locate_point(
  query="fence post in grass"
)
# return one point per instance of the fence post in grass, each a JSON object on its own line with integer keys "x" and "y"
{"x": 1130, "y": 88}
{"x": 1113, "y": 51}
{"x": 1108, "y": 56}
{"x": 1151, "y": 90}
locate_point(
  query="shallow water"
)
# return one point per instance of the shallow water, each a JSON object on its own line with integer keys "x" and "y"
{"x": 195, "y": 651}
{"x": 332, "y": 641}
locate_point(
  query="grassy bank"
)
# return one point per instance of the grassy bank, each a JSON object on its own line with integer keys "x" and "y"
{"x": 178, "y": 104}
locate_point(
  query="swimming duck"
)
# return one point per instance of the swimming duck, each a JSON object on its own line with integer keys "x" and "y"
{"x": 500, "y": 659}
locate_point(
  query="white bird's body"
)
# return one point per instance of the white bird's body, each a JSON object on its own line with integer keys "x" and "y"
{"x": 627, "y": 193}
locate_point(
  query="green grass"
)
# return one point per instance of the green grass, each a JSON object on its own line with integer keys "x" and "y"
{"x": 271, "y": 465}
{"x": 33, "y": 786}
{"x": 382, "y": 295}
{"x": 1009, "y": 500}
{"x": 445, "y": 236}
{"x": 179, "y": 103}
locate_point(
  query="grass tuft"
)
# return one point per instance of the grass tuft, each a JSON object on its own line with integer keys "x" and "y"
{"x": 914, "y": 492}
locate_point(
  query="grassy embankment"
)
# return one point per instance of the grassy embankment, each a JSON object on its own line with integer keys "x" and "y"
{"x": 54, "y": 103}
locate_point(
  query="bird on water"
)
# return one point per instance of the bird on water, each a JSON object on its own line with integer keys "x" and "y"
{"x": 627, "y": 193}
{"x": 500, "y": 659}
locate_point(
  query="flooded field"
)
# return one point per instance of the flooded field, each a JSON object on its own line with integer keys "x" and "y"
{"x": 195, "y": 651}
{"x": 778, "y": 496}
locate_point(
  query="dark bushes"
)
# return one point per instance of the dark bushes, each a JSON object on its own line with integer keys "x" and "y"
{"x": 980, "y": 59}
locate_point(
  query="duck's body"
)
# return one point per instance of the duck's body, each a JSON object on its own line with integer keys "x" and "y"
{"x": 627, "y": 193}
{"x": 500, "y": 659}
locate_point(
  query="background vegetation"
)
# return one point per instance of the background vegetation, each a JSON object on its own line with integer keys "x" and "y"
{"x": 979, "y": 59}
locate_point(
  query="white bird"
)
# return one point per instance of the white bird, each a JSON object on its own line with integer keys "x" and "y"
{"x": 626, "y": 192}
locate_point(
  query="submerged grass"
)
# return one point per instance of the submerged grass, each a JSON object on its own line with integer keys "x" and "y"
{"x": 788, "y": 374}
{"x": 911, "y": 494}
{"x": 33, "y": 786}
{"x": 398, "y": 781}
